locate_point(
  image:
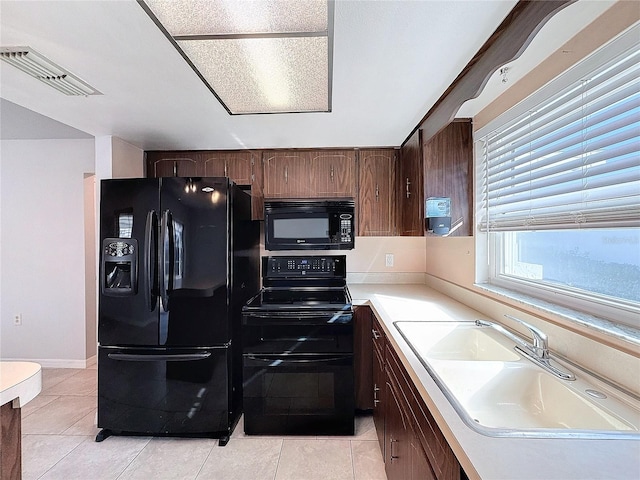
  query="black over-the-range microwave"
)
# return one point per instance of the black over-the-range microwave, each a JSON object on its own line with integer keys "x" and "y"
{"x": 309, "y": 224}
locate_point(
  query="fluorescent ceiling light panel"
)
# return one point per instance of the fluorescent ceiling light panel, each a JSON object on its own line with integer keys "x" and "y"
{"x": 220, "y": 17}
{"x": 256, "y": 56}
{"x": 265, "y": 74}
{"x": 40, "y": 67}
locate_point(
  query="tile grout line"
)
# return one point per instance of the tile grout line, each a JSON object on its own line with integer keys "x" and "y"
{"x": 275, "y": 475}
{"x": 205, "y": 461}
{"x": 62, "y": 458}
{"x": 133, "y": 459}
{"x": 353, "y": 463}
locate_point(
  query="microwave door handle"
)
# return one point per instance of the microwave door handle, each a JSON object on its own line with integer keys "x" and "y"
{"x": 150, "y": 260}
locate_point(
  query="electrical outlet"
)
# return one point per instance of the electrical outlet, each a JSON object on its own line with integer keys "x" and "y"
{"x": 388, "y": 260}
{"x": 17, "y": 319}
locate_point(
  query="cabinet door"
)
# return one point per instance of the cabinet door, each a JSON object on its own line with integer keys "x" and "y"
{"x": 173, "y": 164}
{"x": 376, "y": 195}
{"x": 287, "y": 175}
{"x": 238, "y": 166}
{"x": 448, "y": 172}
{"x": 333, "y": 173}
{"x": 379, "y": 400}
{"x": 410, "y": 187}
{"x": 420, "y": 467}
{"x": 363, "y": 358}
{"x": 214, "y": 164}
{"x": 397, "y": 438}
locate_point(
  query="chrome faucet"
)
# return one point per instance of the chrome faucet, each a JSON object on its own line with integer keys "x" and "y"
{"x": 537, "y": 351}
{"x": 540, "y": 347}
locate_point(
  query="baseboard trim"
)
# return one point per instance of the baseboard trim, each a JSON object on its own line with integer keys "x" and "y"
{"x": 57, "y": 363}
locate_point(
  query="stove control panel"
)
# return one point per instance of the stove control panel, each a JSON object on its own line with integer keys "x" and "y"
{"x": 323, "y": 266}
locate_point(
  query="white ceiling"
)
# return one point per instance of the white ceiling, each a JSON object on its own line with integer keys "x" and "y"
{"x": 392, "y": 60}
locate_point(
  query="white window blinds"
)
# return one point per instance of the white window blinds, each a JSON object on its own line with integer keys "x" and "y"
{"x": 571, "y": 162}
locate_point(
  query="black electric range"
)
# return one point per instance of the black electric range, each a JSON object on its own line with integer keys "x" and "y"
{"x": 298, "y": 349}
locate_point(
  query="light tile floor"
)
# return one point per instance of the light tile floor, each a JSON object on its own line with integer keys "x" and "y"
{"x": 59, "y": 429}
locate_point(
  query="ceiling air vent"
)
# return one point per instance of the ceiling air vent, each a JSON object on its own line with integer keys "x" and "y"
{"x": 34, "y": 64}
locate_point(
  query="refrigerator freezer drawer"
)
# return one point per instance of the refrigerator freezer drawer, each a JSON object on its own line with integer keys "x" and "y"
{"x": 163, "y": 391}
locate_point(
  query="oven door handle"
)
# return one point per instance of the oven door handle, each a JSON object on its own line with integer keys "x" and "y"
{"x": 311, "y": 318}
{"x": 277, "y": 360}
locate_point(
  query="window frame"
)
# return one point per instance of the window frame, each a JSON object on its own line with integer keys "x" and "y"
{"x": 617, "y": 311}
{"x": 604, "y": 312}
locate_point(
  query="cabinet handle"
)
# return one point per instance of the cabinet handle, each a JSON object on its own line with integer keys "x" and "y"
{"x": 286, "y": 174}
{"x": 175, "y": 169}
{"x": 391, "y": 455}
{"x": 408, "y": 192}
{"x": 375, "y": 395}
{"x": 377, "y": 193}
{"x": 376, "y": 334}
{"x": 226, "y": 174}
{"x": 332, "y": 173}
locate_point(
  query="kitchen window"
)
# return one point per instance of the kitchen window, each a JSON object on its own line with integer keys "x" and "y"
{"x": 559, "y": 190}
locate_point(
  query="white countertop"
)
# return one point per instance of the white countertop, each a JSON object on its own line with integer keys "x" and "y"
{"x": 482, "y": 456}
{"x": 20, "y": 382}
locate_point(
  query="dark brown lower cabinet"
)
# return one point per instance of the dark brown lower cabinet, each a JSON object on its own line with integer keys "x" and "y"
{"x": 420, "y": 467}
{"x": 379, "y": 397}
{"x": 363, "y": 358}
{"x": 397, "y": 459}
{"x": 413, "y": 447}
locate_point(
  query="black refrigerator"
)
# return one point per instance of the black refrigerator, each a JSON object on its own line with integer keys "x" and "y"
{"x": 179, "y": 258}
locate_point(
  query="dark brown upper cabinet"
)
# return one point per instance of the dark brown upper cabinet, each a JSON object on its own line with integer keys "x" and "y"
{"x": 448, "y": 172}
{"x": 237, "y": 165}
{"x": 286, "y": 174}
{"x": 411, "y": 187}
{"x": 309, "y": 174}
{"x": 377, "y": 192}
{"x": 333, "y": 173}
{"x": 173, "y": 164}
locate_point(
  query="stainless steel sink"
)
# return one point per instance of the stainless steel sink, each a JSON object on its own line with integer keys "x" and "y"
{"x": 499, "y": 392}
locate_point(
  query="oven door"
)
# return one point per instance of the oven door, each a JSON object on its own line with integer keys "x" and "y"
{"x": 306, "y": 394}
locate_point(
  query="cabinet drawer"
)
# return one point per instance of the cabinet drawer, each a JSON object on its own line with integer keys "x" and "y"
{"x": 379, "y": 339}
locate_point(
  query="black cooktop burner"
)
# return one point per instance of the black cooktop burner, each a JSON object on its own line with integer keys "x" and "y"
{"x": 303, "y": 299}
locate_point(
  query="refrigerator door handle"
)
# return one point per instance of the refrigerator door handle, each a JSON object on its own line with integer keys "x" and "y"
{"x": 178, "y": 357}
{"x": 166, "y": 259}
{"x": 150, "y": 260}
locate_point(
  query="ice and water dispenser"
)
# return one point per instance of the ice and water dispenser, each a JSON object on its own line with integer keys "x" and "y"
{"x": 119, "y": 266}
{"x": 438, "y": 215}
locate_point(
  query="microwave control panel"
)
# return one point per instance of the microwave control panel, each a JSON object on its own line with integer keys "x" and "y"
{"x": 346, "y": 227}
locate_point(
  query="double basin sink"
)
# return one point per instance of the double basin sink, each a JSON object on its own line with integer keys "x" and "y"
{"x": 498, "y": 391}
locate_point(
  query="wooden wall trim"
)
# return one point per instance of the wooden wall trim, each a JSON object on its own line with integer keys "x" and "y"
{"x": 506, "y": 44}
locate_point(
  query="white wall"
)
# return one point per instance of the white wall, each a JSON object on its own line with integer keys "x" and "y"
{"x": 42, "y": 258}
{"x": 128, "y": 160}
{"x": 91, "y": 267}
